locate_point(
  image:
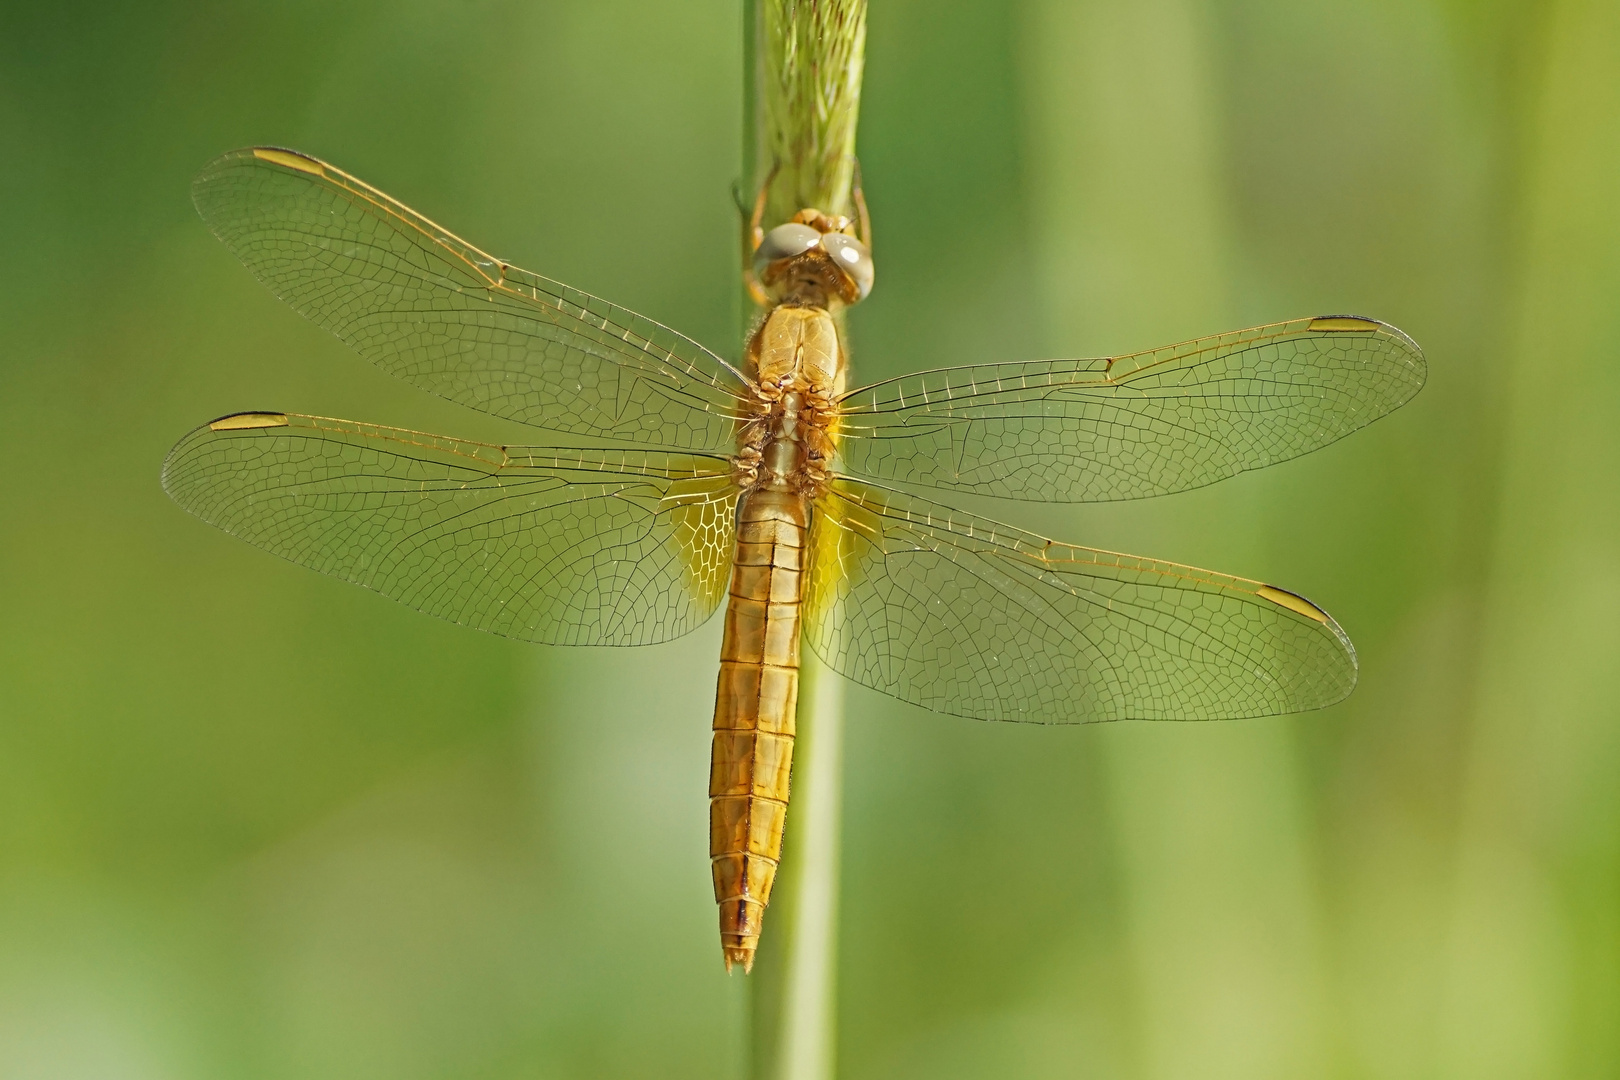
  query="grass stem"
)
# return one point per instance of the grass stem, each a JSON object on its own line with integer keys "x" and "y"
{"x": 803, "y": 61}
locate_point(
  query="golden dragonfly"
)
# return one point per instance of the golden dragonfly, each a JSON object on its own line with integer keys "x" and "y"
{"x": 772, "y": 486}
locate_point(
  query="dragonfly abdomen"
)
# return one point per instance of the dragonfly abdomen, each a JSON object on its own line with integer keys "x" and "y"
{"x": 753, "y": 714}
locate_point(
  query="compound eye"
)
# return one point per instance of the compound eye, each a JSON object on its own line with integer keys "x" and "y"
{"x": 784, "y": 242}
{"x": 851, "y": 256}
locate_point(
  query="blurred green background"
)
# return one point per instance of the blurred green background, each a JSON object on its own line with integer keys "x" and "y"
{"x": 257, "y": 823}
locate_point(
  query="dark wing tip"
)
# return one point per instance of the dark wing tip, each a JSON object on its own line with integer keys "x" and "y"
{"x": 1364, "y": 324}
{"x": 1296, "y": 603}
{"x": 239, "y": 421}
{"x": 1293, "y": 602}
{"x": 244, "y": 420}
{"x": 283, "y": 156}
{"x": 287, "y": 159}
{"x": 1410, "y": 352}
{"x": 207, "y": 181}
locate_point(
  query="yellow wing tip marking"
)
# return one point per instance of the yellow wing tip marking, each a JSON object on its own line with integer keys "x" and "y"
{"x": 1344, "y": 324}
{"x": 246, "y": 420}
{"x": 290, "y": 160}
{"x": 1284, "y": 598}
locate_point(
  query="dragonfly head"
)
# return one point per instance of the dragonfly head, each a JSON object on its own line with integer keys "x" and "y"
{"x": 814, "y": 257}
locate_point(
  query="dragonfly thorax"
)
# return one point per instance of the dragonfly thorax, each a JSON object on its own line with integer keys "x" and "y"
{"x": 796, "y": 357}
{"x": 784, "y": 454}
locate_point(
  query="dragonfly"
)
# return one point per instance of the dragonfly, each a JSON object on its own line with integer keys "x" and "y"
{"x": 682, "y": 482}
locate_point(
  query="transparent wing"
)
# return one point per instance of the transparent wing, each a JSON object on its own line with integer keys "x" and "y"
{"x": 967, "y": 616}
{"x": 432, "y": 309}
{"x": 1122, "y": 428}
{"x": 571, "y": 547}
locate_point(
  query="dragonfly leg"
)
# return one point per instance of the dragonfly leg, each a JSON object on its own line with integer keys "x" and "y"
{"x": 756, "y": 291}
{"x": 861, "y": 214}
{"x": 756, "y": 223}
{"x": 753, "y": 236}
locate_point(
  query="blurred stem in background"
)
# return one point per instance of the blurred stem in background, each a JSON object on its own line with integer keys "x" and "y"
{"x": 802, "y": 64}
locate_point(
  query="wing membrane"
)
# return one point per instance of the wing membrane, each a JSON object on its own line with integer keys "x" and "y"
{"x": 1151, "y": 423}
{"x": 967, "y": 616}
{"x": 432, "y": 309}
{"x": 574, "y": 547}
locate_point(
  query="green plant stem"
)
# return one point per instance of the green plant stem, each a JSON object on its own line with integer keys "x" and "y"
{"x": 794, "y": 981}
{"x": 802, "y": 64}
{"x": 803, "y": 61}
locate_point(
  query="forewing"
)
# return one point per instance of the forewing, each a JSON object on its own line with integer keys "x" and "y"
{"x": 967, "y": 616}
{"x": 567, "y": 547}
{"x": 1131, "y": 426}
{"x": 429, "y": 307}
